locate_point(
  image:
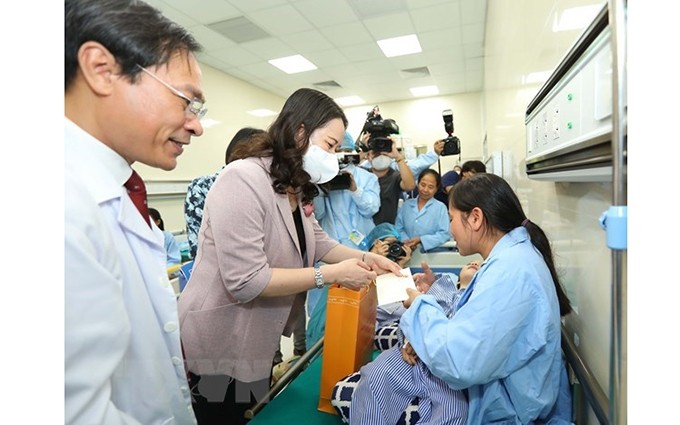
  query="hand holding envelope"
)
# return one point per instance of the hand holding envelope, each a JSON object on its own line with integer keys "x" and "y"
{"x": 392, "y": 288}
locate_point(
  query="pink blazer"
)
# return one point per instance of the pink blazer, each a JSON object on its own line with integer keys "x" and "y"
{"x": 247, "y": 229}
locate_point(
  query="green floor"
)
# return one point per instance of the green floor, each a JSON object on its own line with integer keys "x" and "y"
{"x": 297, "y": 402}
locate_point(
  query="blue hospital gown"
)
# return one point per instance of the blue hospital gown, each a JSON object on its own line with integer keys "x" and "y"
{"x": 504, "y": 343}
{"x": 389, "y": 387}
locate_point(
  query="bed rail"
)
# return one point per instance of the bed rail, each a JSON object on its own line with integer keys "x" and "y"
{"x": 592, "y": 391}
{"x": 291, "y": 374}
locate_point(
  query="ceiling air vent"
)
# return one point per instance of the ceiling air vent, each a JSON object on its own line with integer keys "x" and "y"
{"x": 327, "y": 85}
{"x": 239, "y": 30}
{"x": 415, "y": 72}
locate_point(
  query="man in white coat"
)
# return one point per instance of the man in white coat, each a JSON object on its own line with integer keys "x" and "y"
{"x": 133, "y": 92}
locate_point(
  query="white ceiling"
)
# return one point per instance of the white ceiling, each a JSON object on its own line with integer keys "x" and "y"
{"x": 339, "y": 37}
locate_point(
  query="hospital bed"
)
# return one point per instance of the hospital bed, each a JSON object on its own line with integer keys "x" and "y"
{"x": 294, "y": 398}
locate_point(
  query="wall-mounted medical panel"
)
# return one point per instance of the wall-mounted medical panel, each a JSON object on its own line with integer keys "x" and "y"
{"x": 569, "y": 122}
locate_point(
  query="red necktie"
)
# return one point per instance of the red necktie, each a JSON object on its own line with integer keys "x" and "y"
{"x": 137, "y": 191}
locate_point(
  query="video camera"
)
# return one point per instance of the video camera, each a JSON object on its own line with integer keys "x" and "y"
{"x": 451, "y": 143}
{"x": 395, "y": 251}
{"x": 379, "y": 129}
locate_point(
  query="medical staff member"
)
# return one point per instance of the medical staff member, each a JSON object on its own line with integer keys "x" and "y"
{"x": 424, "y": 220}
{"x": 347, "y": 215}
{"x": 133, "y": 93}
{"x": 174, "y": 256}
{"x": 504, "y": 343}
{"x": 258, "y": 251}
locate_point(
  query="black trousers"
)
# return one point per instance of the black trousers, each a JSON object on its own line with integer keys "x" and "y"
{"x": 223, "y": 400}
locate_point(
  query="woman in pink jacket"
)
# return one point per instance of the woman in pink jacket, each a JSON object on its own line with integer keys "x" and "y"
{"x": 258, "y": 246}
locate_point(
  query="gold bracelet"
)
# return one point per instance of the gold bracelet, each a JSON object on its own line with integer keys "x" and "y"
{"x": 400, "y": 159}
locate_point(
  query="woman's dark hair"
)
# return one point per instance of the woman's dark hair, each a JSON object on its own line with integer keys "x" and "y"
{"x": 134, "y": 32}
{"x": 473, "y": 165}
{"x": 156, "y": 216}
{"x": 305, "y": 107}
{"x": 437, "y": 177}
{"x": 503, "y": 211}
{"x": 241, "y": 136}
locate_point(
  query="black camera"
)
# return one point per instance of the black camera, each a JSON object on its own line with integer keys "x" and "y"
{"x": 395, "y": 251}
{"x": 379, "y": 129}
{"x": 342, "y": 181}
{"x": 451, "y": 143}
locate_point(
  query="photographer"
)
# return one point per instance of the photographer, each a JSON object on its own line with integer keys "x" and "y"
{"x": 417, "y": 165}
{"x": 347, "y": 214}
{"x": 392, "y": 182}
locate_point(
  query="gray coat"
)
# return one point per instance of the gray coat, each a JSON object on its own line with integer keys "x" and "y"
{"x": 247, "y": 229}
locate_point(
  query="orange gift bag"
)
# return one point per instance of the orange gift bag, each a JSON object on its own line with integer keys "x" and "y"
{"x": 348, "y": 340}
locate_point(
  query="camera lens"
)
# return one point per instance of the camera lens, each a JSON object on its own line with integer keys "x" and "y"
{"x": 395, "y": 250}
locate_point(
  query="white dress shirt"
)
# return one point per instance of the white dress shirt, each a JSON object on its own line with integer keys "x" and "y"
{"x": 123, "y": 360}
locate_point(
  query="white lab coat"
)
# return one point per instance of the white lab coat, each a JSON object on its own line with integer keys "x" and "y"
{"x": 123, "y": 360}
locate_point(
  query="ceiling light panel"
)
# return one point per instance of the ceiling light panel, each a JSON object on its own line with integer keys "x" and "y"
{"x": 424, "y": 91}
{"x": 293, "y": 64}
{"x": 399, "y": 46}
{"x": 349, "y": 101}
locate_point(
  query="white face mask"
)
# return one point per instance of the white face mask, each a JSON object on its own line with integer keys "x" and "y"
{"x": 381, "y": 162}
{"x": 322, "y": 166}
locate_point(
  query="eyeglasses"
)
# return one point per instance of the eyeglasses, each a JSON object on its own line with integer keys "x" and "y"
{"x": 195, "y": 106}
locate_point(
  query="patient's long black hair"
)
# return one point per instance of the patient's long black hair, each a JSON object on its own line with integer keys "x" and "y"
{"x": 503, "y": 211}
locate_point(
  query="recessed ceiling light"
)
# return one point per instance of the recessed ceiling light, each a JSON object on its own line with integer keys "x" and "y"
{"x": 349, "y": 101}
{"x": 424, "y": 91}
{"x": 293, "y": 64}
{"x": 262, "y": 113}
{"x": 575, "y": 18}
{"x": 399, "y": 46}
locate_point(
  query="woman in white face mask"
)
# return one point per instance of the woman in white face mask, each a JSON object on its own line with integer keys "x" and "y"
{"x": 259, "y": 244}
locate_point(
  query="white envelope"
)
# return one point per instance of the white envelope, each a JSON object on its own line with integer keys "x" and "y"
{"x": 392, "y": 288}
